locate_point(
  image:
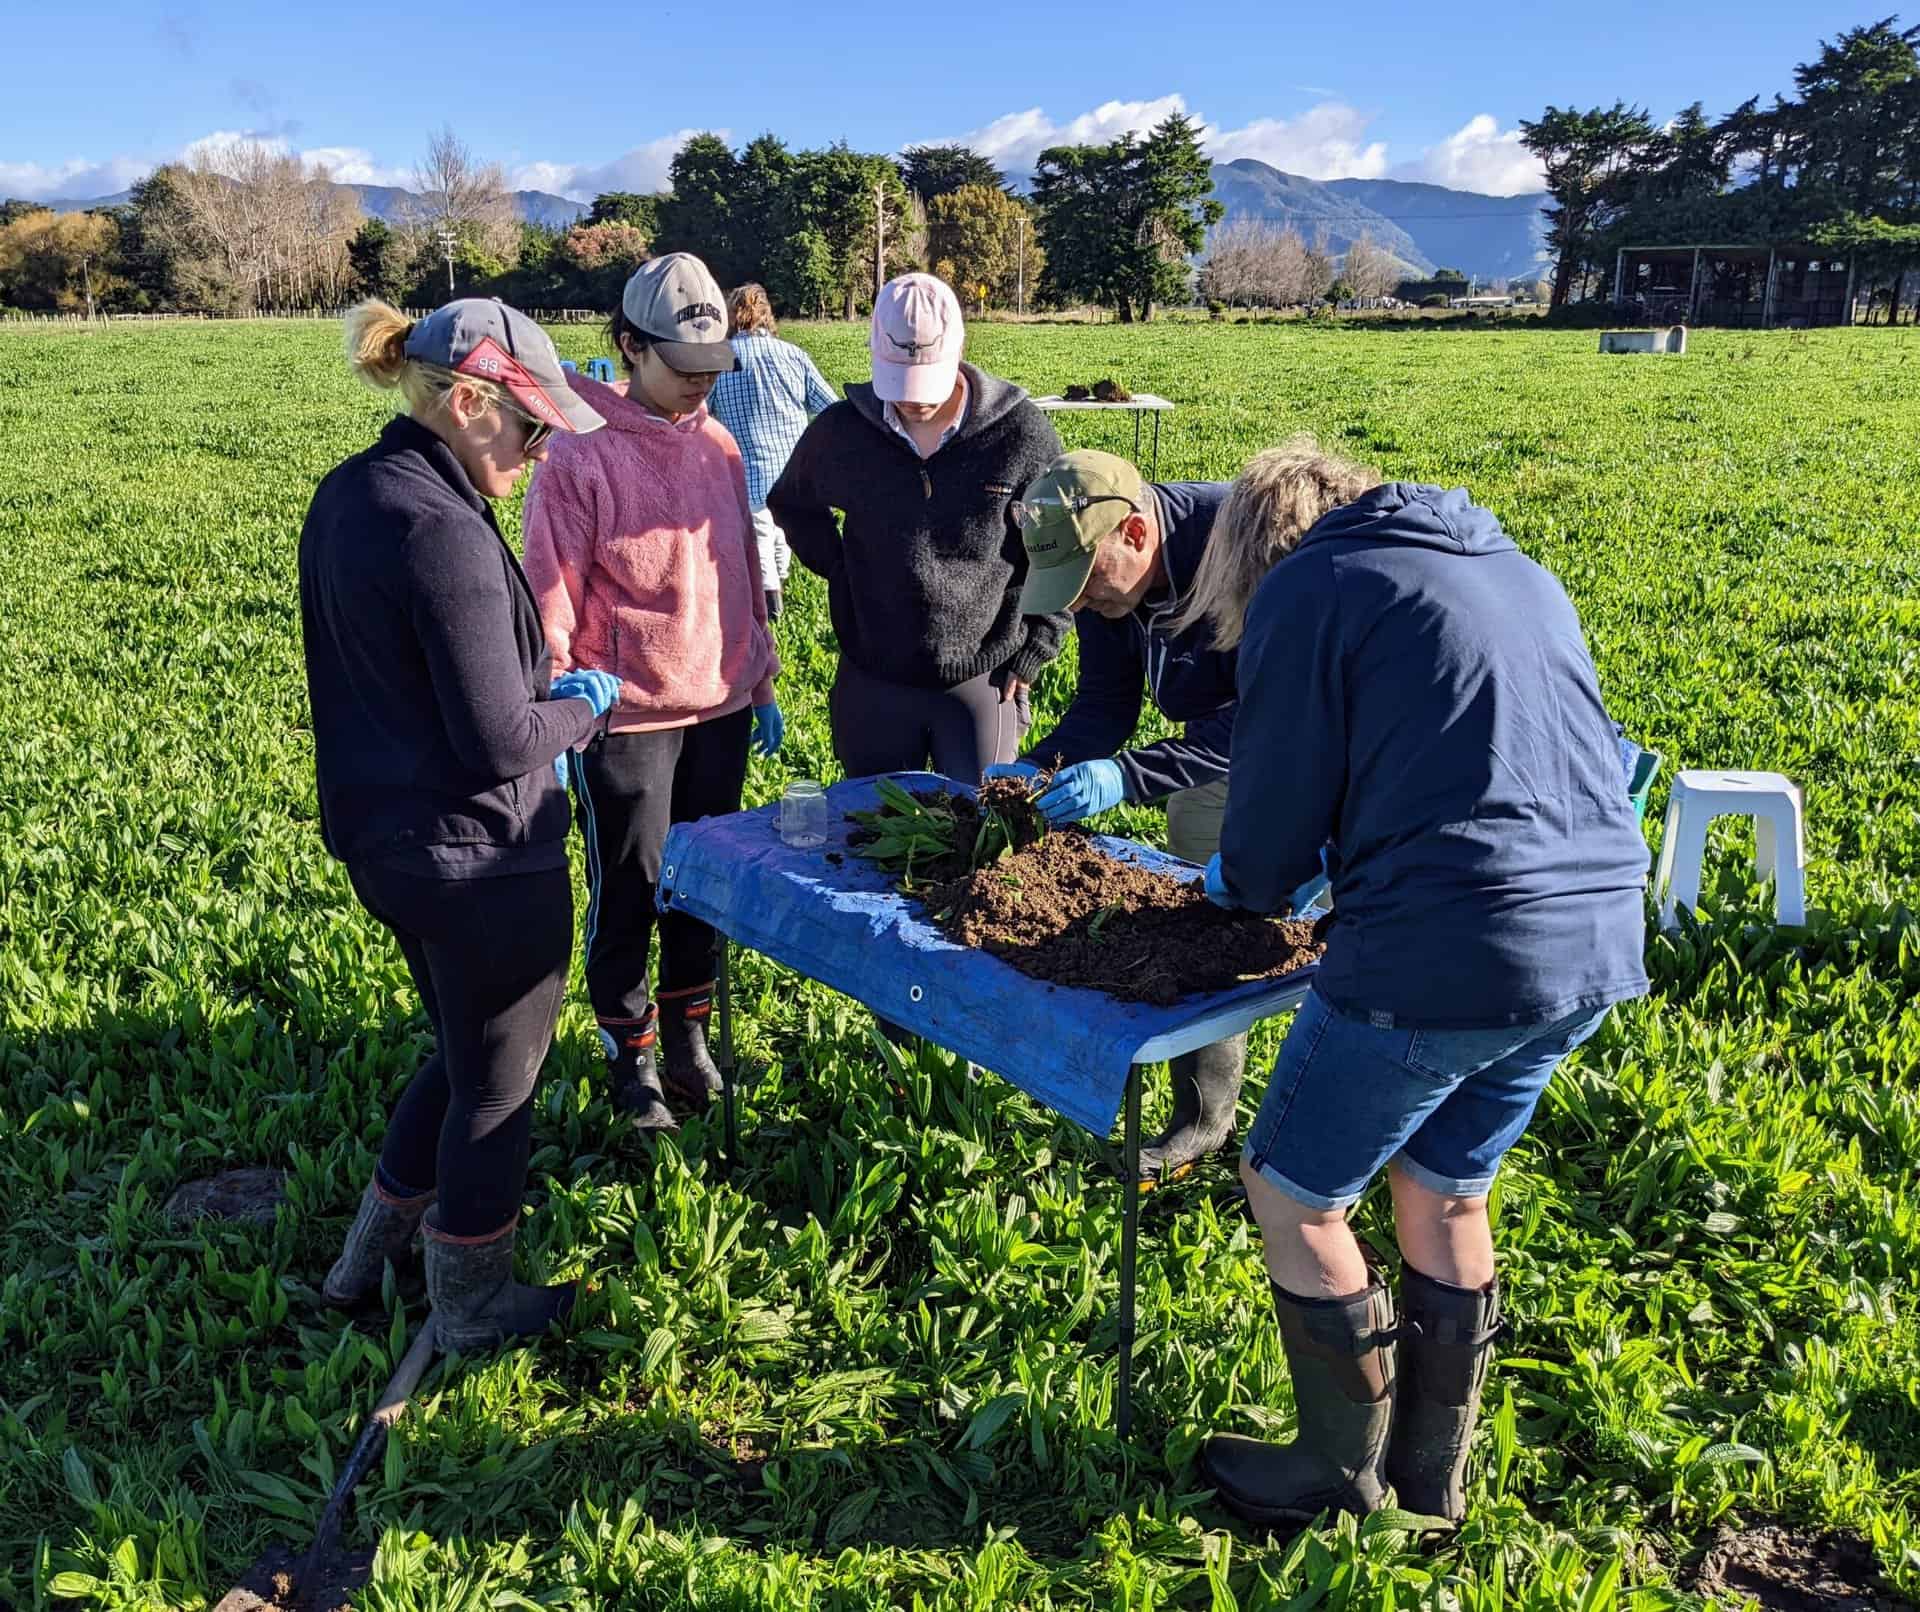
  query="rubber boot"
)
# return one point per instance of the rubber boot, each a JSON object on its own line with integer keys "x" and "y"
{"x": 1446, "y": 1346}
{"x": 383, "y": 1231}
{"x": 633, "y": 1070}
{"x": 477, "y": 1305}
{"x": 1206, "y": 1095}
{"x": 686, "y": 1066}
{"x": 1341, "y": 1355}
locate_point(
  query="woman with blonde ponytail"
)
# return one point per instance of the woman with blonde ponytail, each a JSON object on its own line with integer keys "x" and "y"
{"x": 438, "y": 729}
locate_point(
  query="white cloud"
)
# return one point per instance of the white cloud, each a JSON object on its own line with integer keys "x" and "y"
{"x": 355, "y": 165}
{"x": 80, "y": 179}
{"x": 644, "y": 169}
{"x": 1013, "y": 143}
{"x": 1478, "y": 156}
{"x": 1327, "y": 141}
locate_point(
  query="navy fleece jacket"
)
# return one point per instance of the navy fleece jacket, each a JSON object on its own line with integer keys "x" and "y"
{"x": 1417, "y": 691}
{"x": 1190, "y": 681}
{"x": 433, "y": 735}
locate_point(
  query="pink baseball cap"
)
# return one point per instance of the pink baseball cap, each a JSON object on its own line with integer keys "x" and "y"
{"x": 916, "y": 340}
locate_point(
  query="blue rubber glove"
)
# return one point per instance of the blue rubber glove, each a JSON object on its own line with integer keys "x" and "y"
{"x": 1013, "y": 769}
{"x": 598, "y": 689}
{"x": 1217, "y": 885}
{"x": 769, "y": 728}
{"x": 560, "y": 768}
{"x": 1085, "y": 789}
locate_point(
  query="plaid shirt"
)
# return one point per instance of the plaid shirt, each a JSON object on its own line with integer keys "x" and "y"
{"x": 766, "y": 404}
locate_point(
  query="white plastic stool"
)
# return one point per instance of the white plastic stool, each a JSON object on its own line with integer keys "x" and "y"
{"x": 1773, "y": 802}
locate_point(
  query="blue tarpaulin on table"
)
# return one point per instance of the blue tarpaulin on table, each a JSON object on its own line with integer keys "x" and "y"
{"x": 845, "y": 925}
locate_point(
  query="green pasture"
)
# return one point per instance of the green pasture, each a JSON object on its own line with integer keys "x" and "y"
{"x": 872, "y": 1366}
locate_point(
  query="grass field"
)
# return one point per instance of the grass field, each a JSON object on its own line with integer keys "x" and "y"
{"x": 873, "y": 1366}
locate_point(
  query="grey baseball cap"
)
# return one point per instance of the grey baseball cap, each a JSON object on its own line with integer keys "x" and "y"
{"x": 484, "y": 338}
{"x": 676, "y": 302}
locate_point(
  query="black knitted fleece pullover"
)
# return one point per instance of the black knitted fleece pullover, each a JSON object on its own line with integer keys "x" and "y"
{"x": 924, "y": 567}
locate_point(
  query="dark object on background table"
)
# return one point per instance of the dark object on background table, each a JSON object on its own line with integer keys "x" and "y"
{"x": 1077, "y": 394}
{"x": 1111, "y": 391}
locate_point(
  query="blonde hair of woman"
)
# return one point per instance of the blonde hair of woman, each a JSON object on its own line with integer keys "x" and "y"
{"x": 1275, "y": 500}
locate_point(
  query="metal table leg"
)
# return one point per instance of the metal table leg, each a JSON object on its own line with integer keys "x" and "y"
{"x": 1154, "y": 474}
{"x": 1136, "y": 438}
{"x": 1129, "y": 1248}
{"x": 726, "y": 1047}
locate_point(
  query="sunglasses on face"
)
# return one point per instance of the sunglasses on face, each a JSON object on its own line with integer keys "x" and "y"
{"x": 1031, "y": 512}
{"x": 534, "y": 434}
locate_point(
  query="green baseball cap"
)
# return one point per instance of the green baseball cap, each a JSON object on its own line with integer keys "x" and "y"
{"x": 1063, "y": 515}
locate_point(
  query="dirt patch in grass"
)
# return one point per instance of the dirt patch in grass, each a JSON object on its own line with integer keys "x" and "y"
{"x": 1790, "y": 1570}
{"x": 1059, "y": 909}
{"x": 246, "y": 1195}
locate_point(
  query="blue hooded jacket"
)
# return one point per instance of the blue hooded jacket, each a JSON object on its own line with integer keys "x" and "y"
{"x": 1416, "y": 691}
{"x": 1189, "y": 680}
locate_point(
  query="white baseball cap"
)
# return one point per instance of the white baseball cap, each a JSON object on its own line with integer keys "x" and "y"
{"x": 916, "y": 340}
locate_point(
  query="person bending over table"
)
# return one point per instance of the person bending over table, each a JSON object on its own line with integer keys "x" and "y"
{"x": 1121, "y": 554}
{"x": 924, "y": 566}
{"x": 641, "y": 552}
{"x": 435, "y": 732}
{"x": 1417, "y": 692}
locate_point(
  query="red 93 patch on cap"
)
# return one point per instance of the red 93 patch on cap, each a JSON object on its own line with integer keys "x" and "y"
{"x": 489, "y": 361}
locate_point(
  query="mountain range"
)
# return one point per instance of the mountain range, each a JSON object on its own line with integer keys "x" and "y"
{"x": 1425, "y": 226}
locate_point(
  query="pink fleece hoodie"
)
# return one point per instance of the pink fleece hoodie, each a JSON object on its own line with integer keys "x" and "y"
{"x": 640, "y": 549}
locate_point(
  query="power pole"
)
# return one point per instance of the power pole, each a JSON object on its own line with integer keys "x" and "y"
{"x": 86, "y": 277}
{"x": 879, "y": 239}
{"x": 447, "y": 242}
{"x": 1020, "y": 297}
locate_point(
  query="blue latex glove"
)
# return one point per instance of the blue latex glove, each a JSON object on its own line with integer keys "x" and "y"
{"x": 1085, "y": 789}
{"x": 560, "y": 768}
{"x": 1013, "y": 769}
{"x": 1217, "y": 885}
{"x": 598, "y": 689}
{"x": 769, "y": 728}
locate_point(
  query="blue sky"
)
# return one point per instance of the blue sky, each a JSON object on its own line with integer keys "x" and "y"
{"x": 598, "y": 96}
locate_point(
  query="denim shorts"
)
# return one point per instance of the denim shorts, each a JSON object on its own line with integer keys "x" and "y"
{"x": 1347, "y": 1096}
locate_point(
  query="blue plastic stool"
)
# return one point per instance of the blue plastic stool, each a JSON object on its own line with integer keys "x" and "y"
{"x": 600, "y": 369}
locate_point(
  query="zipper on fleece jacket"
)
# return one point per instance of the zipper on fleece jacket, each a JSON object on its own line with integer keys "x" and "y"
{"x": 926, "y": 481}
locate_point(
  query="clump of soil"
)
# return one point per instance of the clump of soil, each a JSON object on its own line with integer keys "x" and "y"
{"x": 251, "y": 1196}
{"x": 1059, "y": 909}
{"x": 1787, "y": 1570}
{"x": 1107, "y": 391}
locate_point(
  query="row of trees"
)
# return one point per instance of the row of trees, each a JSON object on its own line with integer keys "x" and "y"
{"x": 1253, "y": 264}
{"x": 245, "y": 226}
{"x": 1836, "y": 166}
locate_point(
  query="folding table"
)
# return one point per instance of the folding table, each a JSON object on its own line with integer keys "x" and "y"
{"x": 834, "y": 916}
{"x": 1139, "y": 406}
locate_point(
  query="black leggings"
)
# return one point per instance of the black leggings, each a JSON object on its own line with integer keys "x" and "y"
{"x": 632, "y": 788}
{"x": 891, "y": 727}
{"x": 489, "y": 959}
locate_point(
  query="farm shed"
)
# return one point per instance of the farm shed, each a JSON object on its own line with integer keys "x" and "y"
{"x": 1754, "y": 287}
